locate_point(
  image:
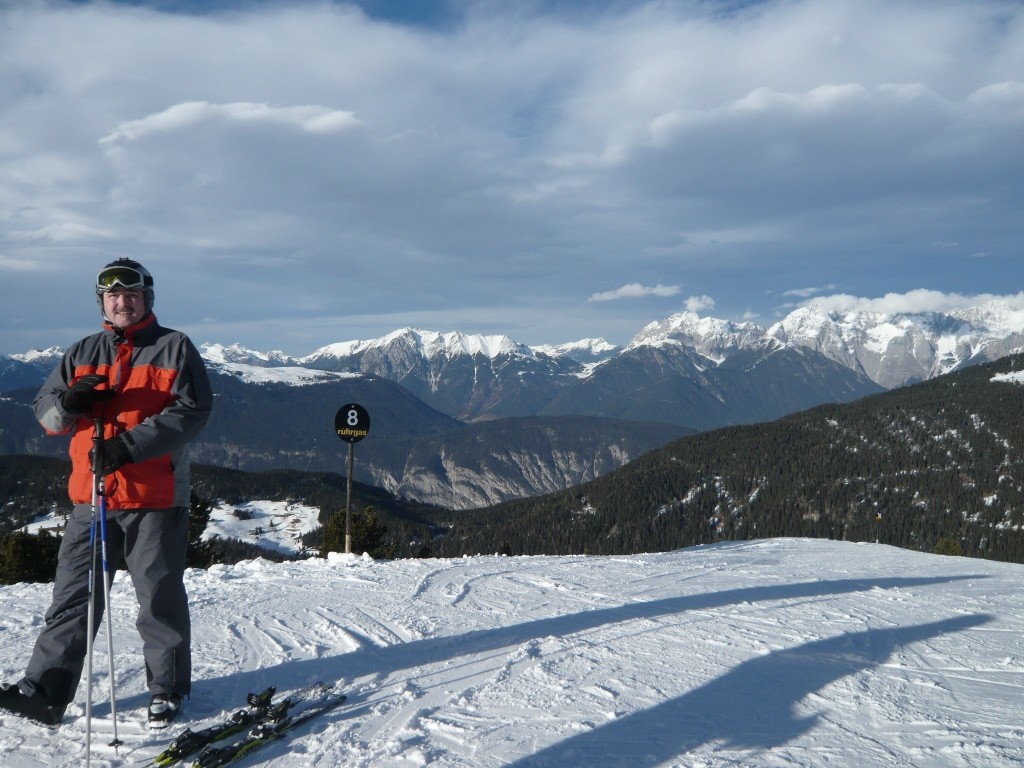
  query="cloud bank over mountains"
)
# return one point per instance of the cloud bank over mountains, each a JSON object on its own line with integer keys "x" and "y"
{"x": 296, "y": 173}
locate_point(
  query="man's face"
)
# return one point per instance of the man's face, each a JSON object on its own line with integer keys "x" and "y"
{"x": 123, "y": 307}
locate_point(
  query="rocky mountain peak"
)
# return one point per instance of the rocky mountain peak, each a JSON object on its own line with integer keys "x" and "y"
{"x": 711, "y": 337}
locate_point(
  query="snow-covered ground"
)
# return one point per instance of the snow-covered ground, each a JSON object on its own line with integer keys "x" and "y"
{"x": 273, "y": 525}
{"x": 775, "y": 653}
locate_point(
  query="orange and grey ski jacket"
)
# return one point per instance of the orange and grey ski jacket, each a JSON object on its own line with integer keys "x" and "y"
{"x": 163, "y": 400}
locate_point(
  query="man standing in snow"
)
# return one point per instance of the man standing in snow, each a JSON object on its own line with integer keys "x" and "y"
{"x": 149, "y": 387}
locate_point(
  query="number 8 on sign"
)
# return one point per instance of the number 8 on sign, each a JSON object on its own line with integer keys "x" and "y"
{"x": 352, "y": 423}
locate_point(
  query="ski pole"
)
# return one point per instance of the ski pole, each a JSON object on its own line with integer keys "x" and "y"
{"x": 99, "y": 510}
{"x": 102, "y": 494}
{"x": 97, "y": 468}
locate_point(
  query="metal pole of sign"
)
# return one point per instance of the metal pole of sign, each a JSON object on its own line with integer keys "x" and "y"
{"x": 348, "y": 503}
{"x": 352, "y": 423}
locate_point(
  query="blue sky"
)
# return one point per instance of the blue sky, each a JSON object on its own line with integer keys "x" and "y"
{"x": 297, "y": 174}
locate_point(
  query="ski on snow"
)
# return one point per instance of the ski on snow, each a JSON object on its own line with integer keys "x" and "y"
{"x": 261, "y": 710}
{"x": 264, "y": 733}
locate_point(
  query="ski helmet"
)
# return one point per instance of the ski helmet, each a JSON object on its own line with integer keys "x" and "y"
{"x": 125, "y": 273}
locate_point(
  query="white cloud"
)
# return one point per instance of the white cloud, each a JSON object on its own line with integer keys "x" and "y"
{"x": 699, "y": 303}
{"x": 29, "y": 268}
{"x": 64, "y": 232}
{"x": 499, "y": 167}
{"x": 920, "y": 300}
{"x": 312, "y": 119}
{"x": 636, "y": 291}
{"x": 803, "y": 293}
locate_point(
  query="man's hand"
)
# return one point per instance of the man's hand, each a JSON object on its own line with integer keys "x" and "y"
{"x": 83, "y": 394}
{"x": 115, "y": 455}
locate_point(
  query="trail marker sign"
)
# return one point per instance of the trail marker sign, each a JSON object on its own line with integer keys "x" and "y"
{"x": 352, "y": 423}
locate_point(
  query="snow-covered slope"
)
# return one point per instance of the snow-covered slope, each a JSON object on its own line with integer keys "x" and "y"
{"x": 777, "y": 654}
{"x": 292, "y": 375}
{"x": 237, "y": 354}
{"x": 274, "y": 525}
{"x": 583, "y": 351}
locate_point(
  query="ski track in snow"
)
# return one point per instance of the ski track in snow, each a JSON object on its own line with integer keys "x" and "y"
{"x": 778, "y": 653}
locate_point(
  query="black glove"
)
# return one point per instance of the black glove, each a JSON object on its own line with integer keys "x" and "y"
{"x": 115, "y": 454}
{"x": 83, "y": 394}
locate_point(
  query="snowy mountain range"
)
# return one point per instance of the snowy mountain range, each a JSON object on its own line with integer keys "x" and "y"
{"x": 891, "y": 349}
{"x": 685, "y": 369}
{"x": 434, "y": 393}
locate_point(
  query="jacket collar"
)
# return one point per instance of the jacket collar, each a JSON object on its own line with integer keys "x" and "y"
{"x": 132, "y": 331}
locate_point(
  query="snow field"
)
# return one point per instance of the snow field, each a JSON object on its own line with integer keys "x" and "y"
{"x": 275, "y": 525}
{"x": 777, "y": 653}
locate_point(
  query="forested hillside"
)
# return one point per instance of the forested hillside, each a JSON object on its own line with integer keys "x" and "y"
{"x": 937, "y": 462}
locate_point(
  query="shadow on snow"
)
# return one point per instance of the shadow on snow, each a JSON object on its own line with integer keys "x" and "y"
{"x": 752, "y": 706}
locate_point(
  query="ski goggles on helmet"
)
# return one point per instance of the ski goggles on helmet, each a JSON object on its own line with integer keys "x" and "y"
{"x": 121, "y": 277}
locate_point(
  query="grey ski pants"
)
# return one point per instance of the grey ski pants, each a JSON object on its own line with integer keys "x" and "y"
{"x": 152, "y": 545}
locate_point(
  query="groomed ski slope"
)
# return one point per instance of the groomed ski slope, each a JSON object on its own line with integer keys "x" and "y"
{"x": 777, "y": 653}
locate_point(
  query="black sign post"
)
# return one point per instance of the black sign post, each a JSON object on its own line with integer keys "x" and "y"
{"x": 352, "y": 423}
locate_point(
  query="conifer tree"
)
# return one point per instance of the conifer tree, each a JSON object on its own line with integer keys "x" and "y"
{"x": 333, "y": 534}
{"x": 28, "y": 557}
{"x": 199, "y": 554}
